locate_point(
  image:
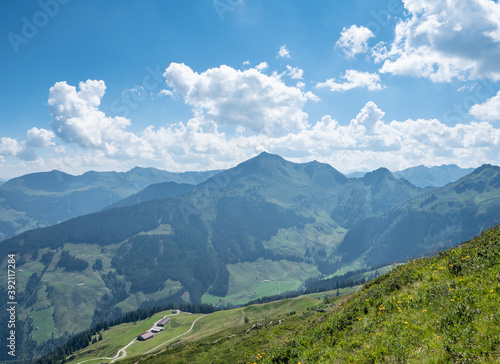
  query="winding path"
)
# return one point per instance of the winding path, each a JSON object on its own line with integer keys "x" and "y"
{"x": 166, "y": 342}
{"x": 122, "y": 353}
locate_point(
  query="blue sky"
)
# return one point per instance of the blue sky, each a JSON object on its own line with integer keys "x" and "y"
{"x": 108, "y": 85}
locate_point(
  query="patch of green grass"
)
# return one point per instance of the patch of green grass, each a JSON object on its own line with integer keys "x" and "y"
{"x": 135, "y": 300}
{"x": 333, "y": 293}
{"x": 250, "y": 281}
{"x": 368, "y": 275}
{"x": 323, "y": 233}
{"x": 43, "y": 324}
{"x": 162, "y": 229}
{"x": 70, "y": 292}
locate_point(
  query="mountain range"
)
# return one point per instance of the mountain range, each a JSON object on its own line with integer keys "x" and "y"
{"x": 24, "y": 200}
{"x": 261, "y": 228}
{"x": 422, "y": 176}
{"x": 434, "y": 221}
{"x": 47, "y": 198}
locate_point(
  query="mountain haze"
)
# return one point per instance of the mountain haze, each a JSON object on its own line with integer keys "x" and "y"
{"x": 436, "y": 176}
{"x": 422, "y": 176}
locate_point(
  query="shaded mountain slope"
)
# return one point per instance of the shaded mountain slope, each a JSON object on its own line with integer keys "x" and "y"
{"x": 154, "y": 192}
{"x": 430, "y": 222}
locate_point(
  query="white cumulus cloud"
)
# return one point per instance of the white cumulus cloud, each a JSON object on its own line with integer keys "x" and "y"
{"x": 444, "y": 40}
{"x": 354, "y": 40}
{"x": 26, "y": 150}
{"x": 294, "y": 73}
{"x": 40, "y": 138}
{"x": 353, "y": 79}
{"x": 249, "y": 98}
{"x": 283, "y": 52}
{"x": 9, "y": 147}
{"x": 488, "y": 110}
{"x": 77, "y": 119}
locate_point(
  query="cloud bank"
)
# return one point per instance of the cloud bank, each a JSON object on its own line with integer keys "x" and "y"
{"x": 240, "y": 113}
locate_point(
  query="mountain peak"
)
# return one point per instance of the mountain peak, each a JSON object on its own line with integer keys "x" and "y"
{"x": 378, "y": 175}
{"x": 485, "y": 167}
{"x": 266, "y": 155}
{"x": 48, "y": 181}
{"x": 265, "y": 160}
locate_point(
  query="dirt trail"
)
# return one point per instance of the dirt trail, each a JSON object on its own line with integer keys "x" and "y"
{"x": 122, "y": 353}
{"x": 166, "y": 342}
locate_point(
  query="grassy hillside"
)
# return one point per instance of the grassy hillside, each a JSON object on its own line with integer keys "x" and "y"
{"x": 433, "y": 310}
{"x": 218, "y": 325}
